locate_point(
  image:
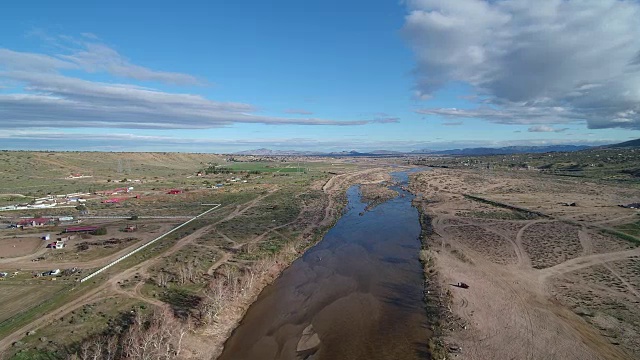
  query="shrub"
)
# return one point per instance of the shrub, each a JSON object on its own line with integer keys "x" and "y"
{"x": 100, "y": 231}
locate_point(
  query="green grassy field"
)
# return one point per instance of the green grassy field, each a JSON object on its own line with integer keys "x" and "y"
{"x": 632, "y": 229}
{"x": 265, "y": 167}
{"x": 16, "y": 297}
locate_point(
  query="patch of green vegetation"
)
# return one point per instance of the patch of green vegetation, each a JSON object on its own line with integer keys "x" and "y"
{"x": 56, "y": 300}
{"x": 36, "y": 354}
{"x": 254, "y": 168}
{"x": 182, "y": 301}
{"x": 622, "y": 235}
{"x": 632, "y": 229}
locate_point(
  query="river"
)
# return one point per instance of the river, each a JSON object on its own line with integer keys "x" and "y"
{"x": 357, "y": 294}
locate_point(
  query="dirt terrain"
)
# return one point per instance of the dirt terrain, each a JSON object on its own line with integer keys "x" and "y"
{"x": 551, "y": 285}
{"x": 11, "y": 247}
{"x": 257, "y": 233}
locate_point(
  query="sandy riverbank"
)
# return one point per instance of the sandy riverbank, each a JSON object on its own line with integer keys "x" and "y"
{"x": 513, "y": 263}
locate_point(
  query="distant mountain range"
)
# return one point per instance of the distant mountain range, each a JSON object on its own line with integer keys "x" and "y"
{"x": 269, "y": 152}
{"x": 630, "y": 143}
{"x": 466, "y": 151}
{"x": 506, "y": 150}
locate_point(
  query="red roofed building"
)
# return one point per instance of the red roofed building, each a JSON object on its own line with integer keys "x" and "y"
{"x": 80, "y": 229}
{"x": 37, "y": 222}
{"x": 174, "y": 191}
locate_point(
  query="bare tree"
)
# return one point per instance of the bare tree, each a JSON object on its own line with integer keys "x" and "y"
{"x": 162, "y": 278}
{"x": 216, "y": 298}
{"x": 158, "y": 336}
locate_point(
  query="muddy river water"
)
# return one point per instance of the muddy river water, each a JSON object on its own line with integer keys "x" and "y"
{"x": 357, "y": 294}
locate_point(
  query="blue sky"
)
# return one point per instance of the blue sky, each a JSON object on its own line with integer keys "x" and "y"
{"x": 317, "y": 75}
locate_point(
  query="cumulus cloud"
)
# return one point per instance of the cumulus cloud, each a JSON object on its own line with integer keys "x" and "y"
{"x": 532, "y": 62}
{"x": 42, "y": 94}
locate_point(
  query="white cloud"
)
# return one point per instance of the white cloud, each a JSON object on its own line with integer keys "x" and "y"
{"x": 43, "y": 95}
{"x": 96, "y": 57}
{"x": 298, "y": 112}
{"x": 60, "y": 101}
{"x": 119, "y": 141}
{"x": 545, "y": 128}
{"x": 532, "y": 57}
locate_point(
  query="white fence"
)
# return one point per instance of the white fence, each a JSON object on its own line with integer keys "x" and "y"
{"x": 145, "y": 245}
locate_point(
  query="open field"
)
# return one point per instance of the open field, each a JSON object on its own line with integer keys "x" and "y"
{"x": 545, "y": 280}
{"x": 16, "y": 297}
{"x": 262, "y": 225}
{"x": 608, "y": 165}
{"x": 20, "y": 246}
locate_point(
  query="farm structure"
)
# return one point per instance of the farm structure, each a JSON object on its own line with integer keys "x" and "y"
{"x": 34, "y": 222}
{"x": 79, "y": 229}
{"x": 174, "y": 191}
{"x": 59, "y": 244}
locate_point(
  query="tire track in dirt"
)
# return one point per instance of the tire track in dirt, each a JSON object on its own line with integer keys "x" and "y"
{"x": 523, "y": 258}
{"x": 587, "y": 261}
{"x": 585, "y": 242}
{"x": 630, "y": 287}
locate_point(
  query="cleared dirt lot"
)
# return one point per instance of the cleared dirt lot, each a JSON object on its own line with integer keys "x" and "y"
{"x": 20, "y": 246}
{"x": 555, "y": 287}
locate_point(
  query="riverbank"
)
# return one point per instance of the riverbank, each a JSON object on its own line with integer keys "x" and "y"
{"x": 217, "y": 333}
{"x": 437, "y": 298}
{"x": 519, "y": 269}
{"x": 356, "y": 294}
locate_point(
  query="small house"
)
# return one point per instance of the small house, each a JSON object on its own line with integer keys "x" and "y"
{"x": 34, "y": 222}
{"x": 57, "y": 245}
